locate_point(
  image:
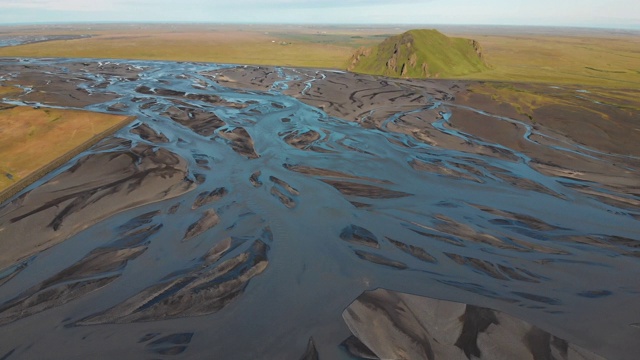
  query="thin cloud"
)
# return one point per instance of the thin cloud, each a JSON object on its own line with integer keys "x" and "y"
{"x": 57, "y": 5}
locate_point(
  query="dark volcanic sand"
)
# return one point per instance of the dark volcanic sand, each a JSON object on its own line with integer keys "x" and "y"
{"x": 248, "y": 207}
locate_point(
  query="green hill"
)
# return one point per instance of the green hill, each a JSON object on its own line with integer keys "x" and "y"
{"x": 419, "y": 54}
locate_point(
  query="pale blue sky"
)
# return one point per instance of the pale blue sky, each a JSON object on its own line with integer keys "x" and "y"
{"x": 589, "y": 13}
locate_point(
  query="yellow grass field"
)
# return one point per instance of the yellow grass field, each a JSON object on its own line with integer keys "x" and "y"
{"x": 32, "y": 138}
{"x": 189, "y": 43}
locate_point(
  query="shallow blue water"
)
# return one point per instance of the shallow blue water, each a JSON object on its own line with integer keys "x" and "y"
{"x": 539, "y": 252}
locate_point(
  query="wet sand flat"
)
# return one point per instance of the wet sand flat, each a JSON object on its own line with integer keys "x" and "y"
{"x": 252, "y": 212}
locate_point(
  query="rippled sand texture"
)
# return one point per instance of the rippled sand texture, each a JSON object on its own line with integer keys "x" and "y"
{"x": 248, "y": 207}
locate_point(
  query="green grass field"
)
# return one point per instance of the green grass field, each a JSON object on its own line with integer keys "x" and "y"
{"x": 609, "y": 60}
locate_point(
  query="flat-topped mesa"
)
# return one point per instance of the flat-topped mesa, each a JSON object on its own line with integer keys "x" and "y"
{"x": 420, "y": 54}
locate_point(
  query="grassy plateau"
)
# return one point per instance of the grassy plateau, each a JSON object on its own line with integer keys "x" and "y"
{"x": 30, "y": 139}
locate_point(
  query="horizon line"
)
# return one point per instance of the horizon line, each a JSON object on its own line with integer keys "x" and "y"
{"x": 146, "y": 22}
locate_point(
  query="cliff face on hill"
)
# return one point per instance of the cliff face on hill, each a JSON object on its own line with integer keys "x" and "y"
{"x": 420, "y": 54}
